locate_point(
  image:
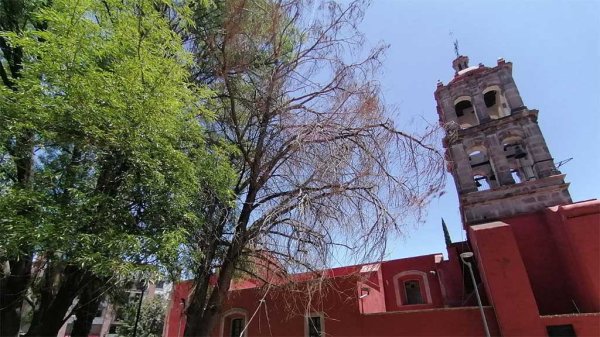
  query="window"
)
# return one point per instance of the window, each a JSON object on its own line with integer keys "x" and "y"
{"x": 478, "y": 158}
{"x": 516, "y": 175}
{"x": 463, "y": 107}
{"x": 233, "y": 322}
{"x": 490, "y": 99}
{"x": 412, "y": 289}
{"x": 315, "y": 326}
{"x": 237, "y": 325}
{"x": 465, "y": 112}
{"x": 515, "y": 151}
{"x": 495, "y": 102}
{"x": 482, "y": 183}
{"x": 561, "y": 330}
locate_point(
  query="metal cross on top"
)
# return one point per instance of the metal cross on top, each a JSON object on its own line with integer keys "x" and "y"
{"x": 456, "y": 48}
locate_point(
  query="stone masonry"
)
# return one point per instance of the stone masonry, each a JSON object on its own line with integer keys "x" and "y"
{"x": 494, "y": 147}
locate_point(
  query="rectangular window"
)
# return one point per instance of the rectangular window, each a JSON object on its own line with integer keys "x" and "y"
{"x": 413, "y": 292}
{"x": 561, "y": 330}
{"x": 237, "y": 324}
{"x": 315, "y": 326}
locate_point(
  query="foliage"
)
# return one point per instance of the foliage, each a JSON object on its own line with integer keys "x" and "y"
{"x": 102, "y": 161}
{"x": 116, "y": 144}
{"x": 150, "y": 324}
{"x": 265, "y": 151}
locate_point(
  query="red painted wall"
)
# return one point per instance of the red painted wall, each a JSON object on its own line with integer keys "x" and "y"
{"x": 560, "y": 248}
{"x": 282, "y": 311}
{"x": 371, "y": 292}
{"x": 505, "y": 278}
{"x": 576, "y": 228}
{"x": 433, "y": 322}
{"x": 280, "y": 315}
{"x": 586, "y": 325}
{"x": 531, "y": 265}
{"x": 175, "y": 318}
{"x": 422, "y": 264}
{"x": 543, "y": 263}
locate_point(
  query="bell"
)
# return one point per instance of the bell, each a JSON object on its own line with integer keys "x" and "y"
{"x": 519, "y": 153}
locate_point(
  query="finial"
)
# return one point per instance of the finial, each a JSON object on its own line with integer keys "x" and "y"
{"x": 456, "y": 48}
{"x": 446, "y": 233}
{"x": 460, "y": 62}
{"x": 455, "y": 44}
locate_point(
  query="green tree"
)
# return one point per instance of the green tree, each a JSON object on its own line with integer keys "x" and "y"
{"x": 151, "y": 320}
{"x": 102, "y": 158}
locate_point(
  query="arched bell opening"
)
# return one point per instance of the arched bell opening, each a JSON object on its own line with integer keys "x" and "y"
{"x": 517, "y": 176}
{"x": 478, "y": 157}
{"x": 465, "y": 112}
{"x": 495, "y": 103}
{"x": 482, "y": 168}
{"x": 482, "y": 183}
{"x": 519, "y": 159}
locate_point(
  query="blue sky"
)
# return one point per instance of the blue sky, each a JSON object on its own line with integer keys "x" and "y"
{"x": 555, "y": 50}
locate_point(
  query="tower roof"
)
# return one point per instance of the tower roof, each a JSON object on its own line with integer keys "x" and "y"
{"x": 460, "y": 63}
{"x": 461, "y": 67}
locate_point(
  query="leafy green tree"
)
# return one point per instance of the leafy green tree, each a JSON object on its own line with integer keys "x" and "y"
{"x": 103, "y": 163}
{"x": 151, "y": 320}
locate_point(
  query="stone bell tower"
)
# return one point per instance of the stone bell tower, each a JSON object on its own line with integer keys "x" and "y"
{"x": 495, "y": 149}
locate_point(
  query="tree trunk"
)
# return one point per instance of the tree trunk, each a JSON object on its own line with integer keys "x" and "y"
{"x": 202, "y": 318}
{"x": 14, "y": 285}
{"x": 50, "y": 316}
{"x": 12, "y": 291}
{"x": 89, "y": 301}
{"x": 201, "y": 322}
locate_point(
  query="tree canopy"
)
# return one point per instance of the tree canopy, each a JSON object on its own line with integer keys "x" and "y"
{"x": 210, "y": 139}
{"x": 321, "y": 168}
{"x": 103, "y": 158}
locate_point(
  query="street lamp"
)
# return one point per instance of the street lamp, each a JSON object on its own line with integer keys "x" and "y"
{"x": 463, "y": 257}
{"x": 143, "y": 287}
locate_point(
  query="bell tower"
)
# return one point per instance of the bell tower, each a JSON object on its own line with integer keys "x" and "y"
{"x": 495, "y": 149}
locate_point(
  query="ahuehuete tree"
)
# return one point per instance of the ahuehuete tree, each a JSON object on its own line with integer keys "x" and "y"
{"x": 102, "y": 158}
{"x": 321, "y": 169}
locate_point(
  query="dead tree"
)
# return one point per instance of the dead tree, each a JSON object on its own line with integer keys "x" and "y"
{"x": 321, "y": 168}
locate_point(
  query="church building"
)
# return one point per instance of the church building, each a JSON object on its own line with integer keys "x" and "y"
{"x": 530, "y": 265}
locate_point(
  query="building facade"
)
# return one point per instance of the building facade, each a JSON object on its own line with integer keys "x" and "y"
{"x": 532, "y": 256}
